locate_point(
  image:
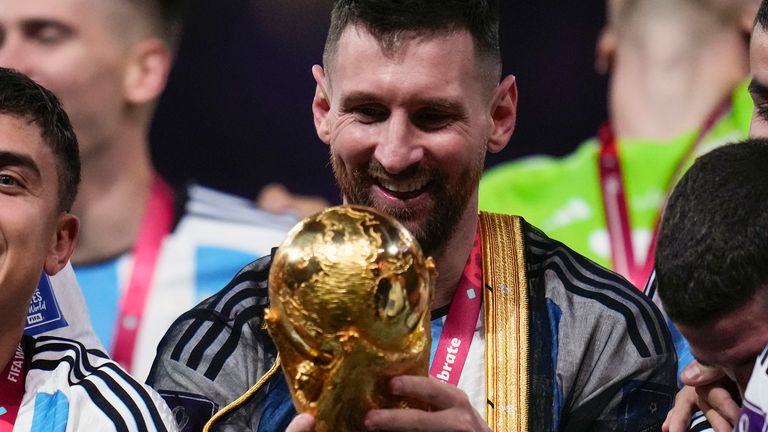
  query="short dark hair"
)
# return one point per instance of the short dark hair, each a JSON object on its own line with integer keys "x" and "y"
{"x": 24, "y": 98}
{"x": 762, "y": 15}
{"x": 387, "y": 20}
{"x": 712, "y": 249}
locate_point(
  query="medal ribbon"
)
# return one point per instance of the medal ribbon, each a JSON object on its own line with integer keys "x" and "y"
{"x": 155, "y": 225}
{"x": 615, "y": 201}
{"x": 12, "y": 390}
{"x": 459, "y": 327}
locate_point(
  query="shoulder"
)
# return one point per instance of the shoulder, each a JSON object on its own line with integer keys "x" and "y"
{"x": 219, "y": 348}
{"x": 92, "y": 384}
{"x": 599, "y": 299}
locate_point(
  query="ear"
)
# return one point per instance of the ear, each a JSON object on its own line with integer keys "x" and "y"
{"x": 605, "y": 51}
{"x": 321, "y": 105}
{"x": 748, "y": 14}
{"x": 503, "y": 114}
{"x": 63, "y": 243}
{"x": 149, "y": 64}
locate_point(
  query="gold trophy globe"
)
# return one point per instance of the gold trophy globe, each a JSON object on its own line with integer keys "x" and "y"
{"x": 350, "y": 292}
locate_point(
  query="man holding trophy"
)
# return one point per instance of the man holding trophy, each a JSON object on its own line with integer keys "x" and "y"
{"x": 526, "y": 334}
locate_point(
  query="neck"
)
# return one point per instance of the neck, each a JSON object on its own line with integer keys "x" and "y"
{"x": 668, "y": 83}
{"x": 9, "y": 341}
{"x": 114, "y": 191}
{"x": 451, "y": 259}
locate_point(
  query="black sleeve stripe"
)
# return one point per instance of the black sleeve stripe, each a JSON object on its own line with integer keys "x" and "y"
{"x": 93, "y": 392}
{"x": 594, "y": 276}
{"x": 110, "y": 411}
{"x": 217, "y": 363}
{"x": 610, "y": 303}
{"x": 256, "y": 271}
{"x": 218, "y": 320}
{"x": 148, "y": 402}
{"x": 764, "y": 356}
{"x": 589, "y": 269}
{"x": 217, "y": 326}
{"x": 83, "y": 367}
{"x": 634, "y": 299}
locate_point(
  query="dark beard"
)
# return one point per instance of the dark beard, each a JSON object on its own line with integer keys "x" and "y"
{"x": 450, "y": 202}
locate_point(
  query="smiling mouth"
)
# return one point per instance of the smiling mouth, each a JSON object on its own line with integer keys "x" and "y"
{"x": 403, "y": 189}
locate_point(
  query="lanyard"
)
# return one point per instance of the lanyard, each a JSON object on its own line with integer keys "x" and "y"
{"x": 155, "y": 225}
{"x": 615, "y": 201}
{"x": 456, "y": 338}
{"x": 12, "y": 390}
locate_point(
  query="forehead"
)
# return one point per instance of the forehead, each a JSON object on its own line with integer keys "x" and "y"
{"x": 736, "y": 336}
{"x": 19, "y": 135}
{"x": 441, "y": 61}
{"x": 76, "y": 13}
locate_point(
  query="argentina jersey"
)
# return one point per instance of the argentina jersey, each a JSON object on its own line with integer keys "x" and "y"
{"x": 71, "y": 388}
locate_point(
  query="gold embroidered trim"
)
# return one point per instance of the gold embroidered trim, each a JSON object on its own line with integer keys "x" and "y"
{"x": 505, "y": 301}
{"x": 244, "y": 398}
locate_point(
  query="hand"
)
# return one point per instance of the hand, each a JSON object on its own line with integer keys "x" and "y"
{"x": 276, "y": 198}
{"x": 302, "y": 423}
{"x": 451, "y": 408}
{"x": 707, "y": 389}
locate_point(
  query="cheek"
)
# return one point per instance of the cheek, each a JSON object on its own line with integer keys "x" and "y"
{"x": 742, "y": 374}
{"x": 759, "y": 127}
{"x": 353, "y": 144}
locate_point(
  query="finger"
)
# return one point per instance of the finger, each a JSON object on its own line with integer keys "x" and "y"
{"x": 718, "y": 423}
{"x": 719, "y": 400}
{"x": 696, "y": 374}
{"x": 436, "y": 393}
{"x": 679, "y": 417}
{"x": 400, "y": 420}
{"x": 301, "y": 423}
{"x": 396, "y": 420}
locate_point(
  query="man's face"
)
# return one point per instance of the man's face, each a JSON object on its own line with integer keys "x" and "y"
{"x": 732, "y": 342}
{"x": 29, "y": 217}
{"x": 71, "y": 48}
{"x": 408, "y": 129}
{"x": 758, "y": 58}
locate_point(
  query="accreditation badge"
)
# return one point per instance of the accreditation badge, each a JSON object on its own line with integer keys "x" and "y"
{"x": 44, "y": 313}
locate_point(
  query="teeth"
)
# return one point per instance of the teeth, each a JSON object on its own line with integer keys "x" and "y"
{"x": 404, "y": 186}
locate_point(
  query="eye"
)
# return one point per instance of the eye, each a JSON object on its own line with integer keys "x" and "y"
{"x": 432, "y": 119}
{"x": 370, "y": 113}
{"x": 7, "y": 180}
{"x": 48, "y": 33}
{"x": 761, "y": 107}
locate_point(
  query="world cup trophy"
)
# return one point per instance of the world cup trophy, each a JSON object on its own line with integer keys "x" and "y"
{"x": 350, "y": 292}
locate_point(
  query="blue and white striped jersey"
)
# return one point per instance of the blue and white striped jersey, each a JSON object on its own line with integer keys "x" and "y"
{"x": 69, "y": 388}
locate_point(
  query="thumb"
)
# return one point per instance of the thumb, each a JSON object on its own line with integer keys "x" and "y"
{"x": 696, "y": 374}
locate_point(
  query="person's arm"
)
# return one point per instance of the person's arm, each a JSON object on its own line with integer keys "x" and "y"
{"x": 215, "y": 352}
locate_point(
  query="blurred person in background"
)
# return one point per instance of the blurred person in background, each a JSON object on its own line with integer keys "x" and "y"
{"x": 146, "y": 252}
{"x": 677, "y": 89}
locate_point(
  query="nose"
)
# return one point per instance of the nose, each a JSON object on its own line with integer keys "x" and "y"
{"x": 398, "y": 147}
